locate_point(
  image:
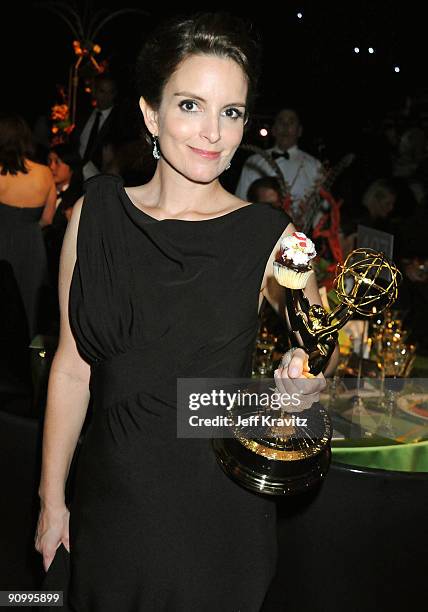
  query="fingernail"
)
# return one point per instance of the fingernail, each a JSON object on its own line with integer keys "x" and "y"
{"x": 293, "y": 371}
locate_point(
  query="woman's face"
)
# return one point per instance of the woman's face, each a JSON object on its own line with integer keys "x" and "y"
{"x": 61, "y": 172}
{"x": 381, "y": 204}
{"x": 385, "y": 204}
{"x": 201, "y": 118}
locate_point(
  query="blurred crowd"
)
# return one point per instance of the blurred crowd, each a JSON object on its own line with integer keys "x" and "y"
{"x": 379, "y": 182}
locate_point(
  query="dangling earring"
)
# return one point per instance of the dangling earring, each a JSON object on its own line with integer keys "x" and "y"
{"x": 228, "y": 166}
{"x": 156, "y": 152}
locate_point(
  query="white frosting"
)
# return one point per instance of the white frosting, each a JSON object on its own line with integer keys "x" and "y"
{"x": 298, "y": 248}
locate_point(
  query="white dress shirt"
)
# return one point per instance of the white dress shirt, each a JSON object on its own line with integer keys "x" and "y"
{"x": 59, "y": 194}
{"x": 300, "y": 172}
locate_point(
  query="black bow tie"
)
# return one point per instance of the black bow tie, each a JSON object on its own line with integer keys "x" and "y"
{"x": 284, "y": 154}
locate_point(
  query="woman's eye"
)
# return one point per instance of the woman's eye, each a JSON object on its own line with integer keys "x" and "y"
{"x": 233, "y": 113}
{"x": 189, "y": 106}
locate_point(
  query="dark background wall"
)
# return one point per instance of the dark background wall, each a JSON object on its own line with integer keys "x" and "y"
{"x": 308, "y": 63}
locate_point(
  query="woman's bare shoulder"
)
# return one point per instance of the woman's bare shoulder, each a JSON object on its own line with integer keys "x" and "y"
{"x": 37, "y": 169}
{"x": 36, "y": 166}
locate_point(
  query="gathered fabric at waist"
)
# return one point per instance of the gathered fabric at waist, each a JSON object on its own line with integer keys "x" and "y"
{"x": 153, "y": 370}
{"x": 123, "y": 375}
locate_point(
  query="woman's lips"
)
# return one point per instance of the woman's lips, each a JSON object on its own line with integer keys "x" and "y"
{"x": 206, "y": 154}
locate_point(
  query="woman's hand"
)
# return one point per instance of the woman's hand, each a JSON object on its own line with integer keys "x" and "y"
{"x": 293, "y": 377}
{"x": 52, "y": 531}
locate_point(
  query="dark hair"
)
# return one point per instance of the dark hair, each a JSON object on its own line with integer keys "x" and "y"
{"x": 68, "y": 154}
{"x": 266, "y": 182}
{"x": 15, "y": 144}
{"x": 218, "y": 34}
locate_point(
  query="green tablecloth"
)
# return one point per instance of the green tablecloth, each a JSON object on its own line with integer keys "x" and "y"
{"x": 401, "y": 457}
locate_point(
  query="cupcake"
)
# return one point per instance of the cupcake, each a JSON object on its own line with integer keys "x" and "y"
{"x": 292, "y": 267}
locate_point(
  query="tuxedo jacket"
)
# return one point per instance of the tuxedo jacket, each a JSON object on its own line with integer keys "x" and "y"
{"x": 109, "y": 133}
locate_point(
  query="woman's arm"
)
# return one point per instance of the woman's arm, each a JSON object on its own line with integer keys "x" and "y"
{"x": 50, "y": 202}
{"x": 68, "y": 389}
{"x": 275, "y": 294}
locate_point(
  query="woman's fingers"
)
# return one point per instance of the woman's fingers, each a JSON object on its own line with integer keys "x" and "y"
{"x": 48, "y": 557}
{"x": 52, "y": 531}
{"x": 293, "y": 378}
{"x": 284, "y": 384}
{"x": 66, "y": 542}
{"x": 298, "y": 363}
{"x": 47, "y": 563}
{"x": 297, "y": 359}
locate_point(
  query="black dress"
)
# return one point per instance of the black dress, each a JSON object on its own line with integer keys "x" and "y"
{"x": 23, "y": 249}
{"x": 155, "y": 525}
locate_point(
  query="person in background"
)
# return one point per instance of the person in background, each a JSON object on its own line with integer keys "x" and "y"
{"x": 65, "y": 164}
{"x": 267, "y": 190}
{"x": 379, "y": 201}
{"x": 94, "y": 135}
{"x": 27, "y": 203}
{"x": 300, "y": 170}
{"x": 378, "y": 205}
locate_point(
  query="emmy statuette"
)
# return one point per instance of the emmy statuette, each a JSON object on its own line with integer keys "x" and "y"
{"x": 292, "y": 459}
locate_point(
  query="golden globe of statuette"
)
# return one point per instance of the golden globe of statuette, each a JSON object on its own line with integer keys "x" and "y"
{"x": 367, "y": 282}
{"x": 289, "y": 460}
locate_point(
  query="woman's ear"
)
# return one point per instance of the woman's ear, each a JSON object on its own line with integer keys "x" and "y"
{"x": 150, "y": 117}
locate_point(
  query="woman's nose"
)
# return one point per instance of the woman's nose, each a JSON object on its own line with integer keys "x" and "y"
{"x": 211, "y": 128}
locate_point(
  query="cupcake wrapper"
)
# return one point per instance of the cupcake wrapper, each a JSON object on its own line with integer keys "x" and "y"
{"x": 290, "y": 278}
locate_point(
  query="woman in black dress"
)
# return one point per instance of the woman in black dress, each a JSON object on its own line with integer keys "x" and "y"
{"x": 163, "y": 281}
{"x": 27, "y": 204}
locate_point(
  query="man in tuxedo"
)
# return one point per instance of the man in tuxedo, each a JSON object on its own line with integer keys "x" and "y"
{"x": 99, "y": 129}
{"x": 300, "y": 170}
